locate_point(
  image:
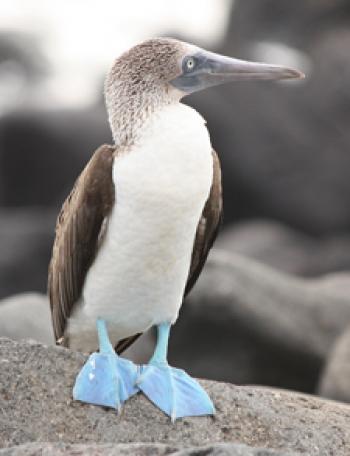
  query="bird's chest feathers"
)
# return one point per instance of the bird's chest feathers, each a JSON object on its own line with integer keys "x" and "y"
{"x": 170, "y": 164}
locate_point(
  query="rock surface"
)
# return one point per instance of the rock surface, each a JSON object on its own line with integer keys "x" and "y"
{"x": 26, "y": 316}
{"x": 285, "y": 249}
{"x": 36, "y": 406}
{"x": 335, "y": 379}
{"x": 139, "y": 449}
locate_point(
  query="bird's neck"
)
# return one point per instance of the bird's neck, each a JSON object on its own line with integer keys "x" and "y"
{"x": 129, "y": 110}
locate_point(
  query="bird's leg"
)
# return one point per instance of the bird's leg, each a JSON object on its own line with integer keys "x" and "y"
{"x": 105, "y": 379}
{"x": 170, "y": 389}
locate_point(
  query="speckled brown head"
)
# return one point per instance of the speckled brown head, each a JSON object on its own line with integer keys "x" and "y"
{"x": 149, "y": 66}
{"x": 138, "y": 83}
{"x": 161, "y": 71}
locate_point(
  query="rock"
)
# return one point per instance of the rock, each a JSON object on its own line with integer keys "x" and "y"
{"x": 229, "y": 449}
{"x": 268, "y": 327}
{"x": 138, "y": 449}
{"x": 62, "y": 449}
{"x": 335, "y": 379}
{"x": 26, "y": 316}
{"x": 36, "y": 406}
{"x": 26, "y": 237}
{"x": 285, "y": 249}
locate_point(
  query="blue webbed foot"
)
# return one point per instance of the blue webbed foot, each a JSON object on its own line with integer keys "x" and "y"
{"x": 170, "y": 389}
{"x": 174, "y": 391}
{"x": 105, "y": 379}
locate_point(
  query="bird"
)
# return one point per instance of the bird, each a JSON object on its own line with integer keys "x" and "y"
{"x": 133, "y": 235}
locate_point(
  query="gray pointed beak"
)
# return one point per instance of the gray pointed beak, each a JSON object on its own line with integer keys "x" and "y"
{"x": 212, "y": 69}
{"x": 226, "y": 68}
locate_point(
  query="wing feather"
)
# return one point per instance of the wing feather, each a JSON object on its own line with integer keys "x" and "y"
{"x": 77, "y": 233}
{"x": 208, "y": 226}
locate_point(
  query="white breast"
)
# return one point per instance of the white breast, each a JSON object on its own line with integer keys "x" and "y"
{"x": 140, "y": 272}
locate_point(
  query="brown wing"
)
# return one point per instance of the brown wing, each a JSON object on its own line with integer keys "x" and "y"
{"x": 207, "y": 231}
{"x": 208, "y": 226}
{"x": 78, "y": 232}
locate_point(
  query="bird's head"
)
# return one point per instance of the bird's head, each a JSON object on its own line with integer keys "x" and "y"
{"x": 161, "y": 71}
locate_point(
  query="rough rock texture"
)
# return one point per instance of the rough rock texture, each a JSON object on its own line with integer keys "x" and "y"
{"x": 268, "y": 327}
{"x": 138, "y": 449}
{"x": 285, "y": 249}
{"x": 335, "y": 380}
{"x": 26, "y": 316}
{"x": 233, "y": 450}
{"x": 36, "y": 405}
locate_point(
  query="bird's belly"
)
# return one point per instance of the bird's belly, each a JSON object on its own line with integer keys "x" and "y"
{"x": 138, "y": 277}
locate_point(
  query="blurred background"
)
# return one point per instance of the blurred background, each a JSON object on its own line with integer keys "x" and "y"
{"x": 272, "y": 306}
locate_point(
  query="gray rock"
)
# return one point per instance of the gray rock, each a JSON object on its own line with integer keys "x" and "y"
{"x": 63, "y": 449}
{"x": 26, "y": 316}
{"x": 335, "y": 380}
{"x": 138, "y": 449}
{"x": 36, "y": 406}
{"x": 285, "y": 249}
{"x": 267, "y": 327}
{"x": 229, "y": 449}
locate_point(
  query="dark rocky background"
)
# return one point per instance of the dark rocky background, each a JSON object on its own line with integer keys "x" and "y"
{"x": 273, "y": 305}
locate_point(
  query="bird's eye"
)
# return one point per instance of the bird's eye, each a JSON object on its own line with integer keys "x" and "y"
{"x": 190, "y": 64}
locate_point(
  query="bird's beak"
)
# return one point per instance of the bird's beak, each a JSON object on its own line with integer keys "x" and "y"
{"x": 212, "y": 69}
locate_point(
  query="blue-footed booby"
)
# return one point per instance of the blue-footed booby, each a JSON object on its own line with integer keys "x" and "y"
{"x": 134, "y": 233}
